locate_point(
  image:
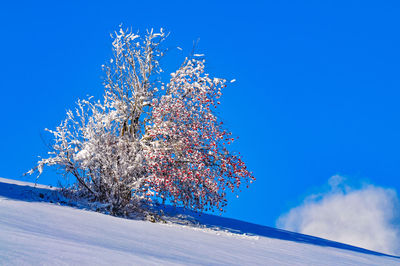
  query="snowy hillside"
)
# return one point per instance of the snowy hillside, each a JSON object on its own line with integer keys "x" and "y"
{"x": 35, "y": 231}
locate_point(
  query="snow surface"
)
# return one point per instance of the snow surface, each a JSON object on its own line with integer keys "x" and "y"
{"x": 34, "y": 231}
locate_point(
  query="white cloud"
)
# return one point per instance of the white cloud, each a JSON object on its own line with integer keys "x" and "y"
{"x": 367, "y": 217}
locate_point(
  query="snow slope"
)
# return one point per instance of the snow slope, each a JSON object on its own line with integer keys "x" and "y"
{"x": 35, "y": 231}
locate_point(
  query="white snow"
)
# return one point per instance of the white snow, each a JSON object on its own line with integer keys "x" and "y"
{"x": 36, "y": 232}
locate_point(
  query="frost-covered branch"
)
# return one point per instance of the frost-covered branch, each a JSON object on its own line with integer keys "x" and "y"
{"x": 148, "y": 141}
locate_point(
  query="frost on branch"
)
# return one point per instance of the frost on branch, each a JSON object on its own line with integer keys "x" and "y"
{"x": 187, "y": 157}
{"x": 149, "y": 141}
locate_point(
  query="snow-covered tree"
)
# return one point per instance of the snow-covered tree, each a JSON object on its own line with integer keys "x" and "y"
{"x": 147, "y": 140}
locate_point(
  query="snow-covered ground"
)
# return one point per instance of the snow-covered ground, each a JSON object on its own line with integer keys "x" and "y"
{"x": 34, "y": 231}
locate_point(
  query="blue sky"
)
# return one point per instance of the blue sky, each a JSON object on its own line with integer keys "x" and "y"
{"x": 317, "y": 91}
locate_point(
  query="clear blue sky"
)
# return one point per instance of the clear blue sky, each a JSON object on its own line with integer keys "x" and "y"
{"x": 317, "y": 91}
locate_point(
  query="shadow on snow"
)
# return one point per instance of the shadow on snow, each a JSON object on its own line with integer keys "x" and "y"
{"x": 39, "y": 194}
